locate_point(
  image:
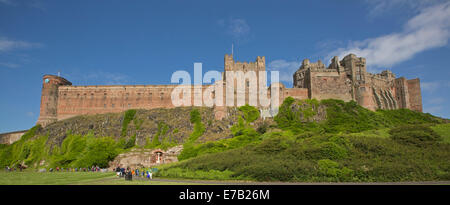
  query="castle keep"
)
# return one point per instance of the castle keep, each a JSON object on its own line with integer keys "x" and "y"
{"x": 346, "y": 80}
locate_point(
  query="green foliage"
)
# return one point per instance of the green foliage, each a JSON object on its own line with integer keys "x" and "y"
{"x": 243, "y": 134}
{"x": 137, "y": 123}
{"x": 85, "y": 151}
{"x": 160, "y": 140}
{"x": 98, "y": 152}
{"x": 443, "y": 130}
{"x": 195, "y": 174}
{"x": 128, "y": 116}
{"x": 343, "y": 117}
{"x": 349, "y": 117}
{"x": 331, "y": 169}
{"x": 287, "y": 156}
{"x": 419, "y": 135}
{"x": 195, "y": 116}
{"x": 130, "y": 143}
{"x": 250, "y": 113}
{"x": 285, "y": 117}
{"x": 25, "y": 150}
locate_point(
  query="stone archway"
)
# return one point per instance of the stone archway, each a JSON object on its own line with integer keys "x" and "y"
{"x": 158, "y": 156}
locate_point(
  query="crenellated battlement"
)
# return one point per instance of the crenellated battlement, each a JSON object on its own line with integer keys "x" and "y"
{"x": 348, "y": 79}
{"x": 345, "y": 79}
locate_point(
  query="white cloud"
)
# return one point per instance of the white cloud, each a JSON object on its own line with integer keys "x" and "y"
{"x": 429, "y": 29}
{"x": 430, "y": 86}
{"x": 437, "y": 100}
{"x": 237, "y": 28}
{"x": 9, "y": 65}
{"x": 10, "y": 45}
{"x": 97, "y": 78}
{"x": 432, "y": 109}
{"x": 379, "y": 7}
{"x": 286, "y": 68}
{"x": 7, "y": 2}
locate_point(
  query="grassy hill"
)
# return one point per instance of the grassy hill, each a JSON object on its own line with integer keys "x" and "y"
{"x": 309, "y": 140}
{"x": 328, "y": 140}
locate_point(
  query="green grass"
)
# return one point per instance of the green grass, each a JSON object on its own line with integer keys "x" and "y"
{"x": 74, "y": 178}
{"x": 49, "y": 178}
{"x": 444, "y": 131}
{"x": 321, "y": 158}
{"x": 382, "y": 133}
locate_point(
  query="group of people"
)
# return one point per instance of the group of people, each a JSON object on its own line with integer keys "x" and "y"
{"x": 10, "y": 169}
{"x": 128, "y": 173}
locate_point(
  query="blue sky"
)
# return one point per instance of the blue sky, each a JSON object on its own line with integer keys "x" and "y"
{"x": 144, "y": 42}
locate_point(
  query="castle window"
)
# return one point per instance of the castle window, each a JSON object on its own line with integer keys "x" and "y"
{"x": 92, "y": 95}
{"x": 129, "y": 105}
{"x": 104, "y": 105}
{"x": 150, "y": 96}
{"x": 78, "y": 95}
{"x": 112, "y": 105}
{"x": 126, "y": 96}
{"x": 162, "y": 96}
{"x": 104, "y": 95}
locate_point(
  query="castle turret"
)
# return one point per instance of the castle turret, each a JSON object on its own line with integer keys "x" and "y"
{"x": 49, "y": 98}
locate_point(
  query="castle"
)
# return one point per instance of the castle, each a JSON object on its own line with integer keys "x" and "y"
{"x": 346, "y": 80}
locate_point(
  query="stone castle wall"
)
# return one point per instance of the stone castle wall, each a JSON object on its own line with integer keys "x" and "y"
{"x": 346, "y": 80}
{"x": 10, "y": 137}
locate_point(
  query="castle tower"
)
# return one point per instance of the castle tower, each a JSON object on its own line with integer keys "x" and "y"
{"x": 355, "y": 69}
{"x": 49, "y": 98}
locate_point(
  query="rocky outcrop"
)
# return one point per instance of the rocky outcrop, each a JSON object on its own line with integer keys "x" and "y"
{"x": 137, "y": 158}
{"x": 176, "y": 122}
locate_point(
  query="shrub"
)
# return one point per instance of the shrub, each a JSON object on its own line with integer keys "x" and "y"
{"x": 128, "y": 116}
{"x": 250, "y": 113}
{"x": 195, "y": 116}
{"x": 418, "y": 135}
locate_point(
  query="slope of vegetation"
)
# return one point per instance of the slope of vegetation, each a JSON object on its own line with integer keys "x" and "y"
{"x": 330, "y": 140}
{"x": 309, "y": 140}
{"x": 85, "y": 141}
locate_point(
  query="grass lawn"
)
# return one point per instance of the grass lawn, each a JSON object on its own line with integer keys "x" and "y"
{"x": 72, "y": 178}
{"x": 443, "y": 130}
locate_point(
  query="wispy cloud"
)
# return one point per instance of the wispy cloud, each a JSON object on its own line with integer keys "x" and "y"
{"x": 236, "y": 27}
{"x": 28, "y": 3}
{"x": 286, "y": 68}
{"x": 11, "y": 45}
{"x": 430, "y": 86}
{"x": 30, "y": 114}
{"x": 9, "y": 65}
{"x": 432, "y": 109}
{"x": 380, "y": 7}
{"x": 8, "y": 2}
{"x": 428, "y": 29}
{"x": 97, "y": 78}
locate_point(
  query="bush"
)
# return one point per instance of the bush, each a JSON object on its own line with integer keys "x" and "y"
{"x": 250, "y": 113}
{"x": 418, "y": 135}
{"x": 128, "y": 116}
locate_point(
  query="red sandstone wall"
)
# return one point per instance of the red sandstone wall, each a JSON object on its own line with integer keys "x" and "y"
{"x": 415, "y": 96}
{"x": 325, "y": 85}
{"x": 296, "y": 93}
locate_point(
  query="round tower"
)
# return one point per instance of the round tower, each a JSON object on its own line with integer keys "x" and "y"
{"x": 49, "y": 98}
